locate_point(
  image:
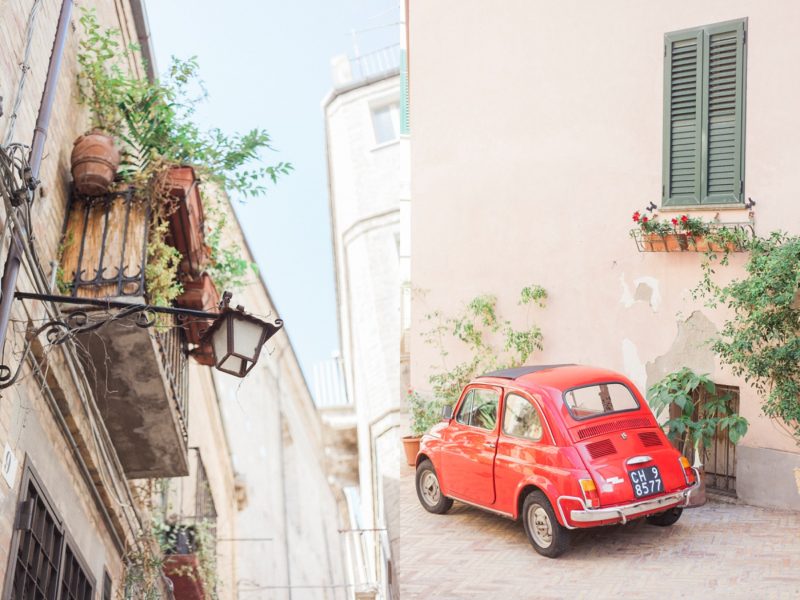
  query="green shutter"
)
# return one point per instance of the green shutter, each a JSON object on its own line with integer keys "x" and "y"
{"x": 704, "y": 106}
{"x": 723, "y": 113}
{"x": 683, "y": 80}
{"x": 404, "y": 103}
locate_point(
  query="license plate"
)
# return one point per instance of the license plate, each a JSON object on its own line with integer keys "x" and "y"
{"x": 646, "y": 481}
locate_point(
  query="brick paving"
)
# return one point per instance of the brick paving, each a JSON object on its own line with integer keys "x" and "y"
{"x": 718, "y": 551}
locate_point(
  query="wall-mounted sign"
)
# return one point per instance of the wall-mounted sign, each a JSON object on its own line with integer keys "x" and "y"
{"x": 9, "y": 466}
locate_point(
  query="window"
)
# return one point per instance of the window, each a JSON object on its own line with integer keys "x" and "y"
{"x": 45, "y": 565}
{"x": 704, "y": 101}
{"x": 521, "y": 419}
{"x": 479, "y": 409}
{"x": 600, "y": 399}
{"x": 386, "y": 122}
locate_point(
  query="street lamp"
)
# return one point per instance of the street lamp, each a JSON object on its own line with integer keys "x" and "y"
{"x": 237, "y": 337}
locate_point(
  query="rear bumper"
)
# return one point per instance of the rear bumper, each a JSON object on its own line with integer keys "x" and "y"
{"x": 587, "y": 516}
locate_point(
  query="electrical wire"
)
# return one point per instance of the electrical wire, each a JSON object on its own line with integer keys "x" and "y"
{"x": 24, "y": 67}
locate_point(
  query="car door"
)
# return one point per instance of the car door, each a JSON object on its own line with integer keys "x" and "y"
{"x": 524, "y": 449}
{"x": 469, "y": 446}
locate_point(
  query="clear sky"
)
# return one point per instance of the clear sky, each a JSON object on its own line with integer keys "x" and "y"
{"x": 266, "y": 64}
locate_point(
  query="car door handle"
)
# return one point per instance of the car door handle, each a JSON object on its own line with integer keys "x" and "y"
{"x": 490, "y": 444}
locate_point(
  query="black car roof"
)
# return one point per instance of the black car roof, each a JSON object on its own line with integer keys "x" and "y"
{"x": 518, "y": 372}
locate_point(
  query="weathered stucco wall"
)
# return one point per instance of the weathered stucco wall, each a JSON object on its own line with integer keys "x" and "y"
{"x": 532, "y": 148}
{"x": 28, "y": 423}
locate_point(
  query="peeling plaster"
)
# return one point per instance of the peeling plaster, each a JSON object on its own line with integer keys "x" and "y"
{"x": 646, "y": 290}
{"x": 633, "y": 366}
{"x": 689, "y": 349}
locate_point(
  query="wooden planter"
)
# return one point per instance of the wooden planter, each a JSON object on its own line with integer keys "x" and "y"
{"x": 184, "y": 572}
{"x": 186, "y": 231}
{"x": 95, "y": 159}
{"x": 411, "y": 448}
{"x": 199, "y": 294}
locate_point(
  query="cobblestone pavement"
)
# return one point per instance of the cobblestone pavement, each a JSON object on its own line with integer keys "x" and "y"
{"x": 717, "y": 551}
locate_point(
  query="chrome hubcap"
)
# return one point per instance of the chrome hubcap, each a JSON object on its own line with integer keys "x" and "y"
{"x": 429, "y": 486}
{"x": 540, "y": 525}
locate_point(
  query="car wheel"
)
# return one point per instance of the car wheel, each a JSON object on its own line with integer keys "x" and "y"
{"x": 428, "y": 490}
{"x": 547, "y": 536}
{"x": 666, "y": 518}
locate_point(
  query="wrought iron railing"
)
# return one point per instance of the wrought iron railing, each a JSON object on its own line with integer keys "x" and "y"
{"x": 375, "y": 63}
{"x": 172, "y": 344}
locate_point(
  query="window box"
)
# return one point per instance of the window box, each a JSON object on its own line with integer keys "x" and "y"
{"x": 186, "y": 232}
{"x": 686, "y": 242}
{"x": 199, "y": 294}
{"x": 183, "y": 571}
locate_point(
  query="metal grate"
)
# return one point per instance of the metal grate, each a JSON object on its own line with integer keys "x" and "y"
{"x": 650, "y": 438}
{"x": 172, "y": 344}
{"x": 75, "y": 584}
{"x": 39, "y": 550}
{"x": 613, "y": 426}
{"x": 107, "y": 586}
{"x": 601, "y": 448}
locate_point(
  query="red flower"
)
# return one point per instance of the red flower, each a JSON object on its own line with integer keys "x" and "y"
{"x": 644, "y": 219}
{"x": 636, "y": 216}
{"x": 684, "y": 218}
{"x": 674, "y": 221}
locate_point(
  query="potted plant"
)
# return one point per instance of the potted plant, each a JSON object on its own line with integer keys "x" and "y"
{"x": 656, "y": 236}
{"x": 696, "y": 414}
{"x": 95, "y": 154}
{"x": 425, "y": 413}
{"x": 695, "y": 231}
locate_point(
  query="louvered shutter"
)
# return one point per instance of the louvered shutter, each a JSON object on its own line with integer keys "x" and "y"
{"x": 723, "y": 113}
{"x": 404, "y": 99}
{"x": 682, "y": 118}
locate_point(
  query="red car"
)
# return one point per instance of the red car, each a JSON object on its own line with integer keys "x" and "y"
{"x": 562, "y": 446}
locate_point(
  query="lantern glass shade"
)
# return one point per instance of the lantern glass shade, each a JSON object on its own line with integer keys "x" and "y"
{"x": 237, "y": 339}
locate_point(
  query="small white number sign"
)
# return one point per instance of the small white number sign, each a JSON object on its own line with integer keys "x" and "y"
{"x": 9, "y": 466}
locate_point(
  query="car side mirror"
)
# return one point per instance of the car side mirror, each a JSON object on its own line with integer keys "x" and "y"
{"x": 447, "y": 412}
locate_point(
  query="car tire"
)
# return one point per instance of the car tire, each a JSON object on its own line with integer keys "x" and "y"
{"x": 547, "y": 536}
{"x": 429, "y": 491}
{"x": 666, "y": 518}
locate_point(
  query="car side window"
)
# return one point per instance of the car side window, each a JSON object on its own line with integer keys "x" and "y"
{"x": 465, "y": 411}
{"x": 521, "y": 419}
{"x": 479, "y": 408}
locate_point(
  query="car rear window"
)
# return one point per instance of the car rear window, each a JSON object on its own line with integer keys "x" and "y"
{"x": 600, "y": 399}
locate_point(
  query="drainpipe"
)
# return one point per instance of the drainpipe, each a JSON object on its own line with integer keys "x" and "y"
{"x": 13, "y": 260}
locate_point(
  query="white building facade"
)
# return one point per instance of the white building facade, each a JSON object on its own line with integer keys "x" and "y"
{"x": 366, "y": 182}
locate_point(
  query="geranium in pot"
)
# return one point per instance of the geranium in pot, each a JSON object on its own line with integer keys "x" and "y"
{"x": 695, "y": 230}
{"x": 655, "y": 234}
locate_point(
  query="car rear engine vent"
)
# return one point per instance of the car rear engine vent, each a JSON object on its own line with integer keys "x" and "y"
{"x": 613, "y": 426}
{"x": 650, "y": 438}
{"x": 601, "y": 448}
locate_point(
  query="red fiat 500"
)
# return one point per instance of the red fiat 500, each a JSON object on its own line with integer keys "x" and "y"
{"x": 562, "y": 446}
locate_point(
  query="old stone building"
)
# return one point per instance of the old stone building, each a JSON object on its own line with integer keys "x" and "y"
{"x": 117, "y": 433}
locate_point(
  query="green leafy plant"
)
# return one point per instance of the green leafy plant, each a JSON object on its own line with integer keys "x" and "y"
{"x": 761, "y": 342}
{"x": 691, "y": 225}
{"x": 650, "y": 224}
{"x": 701, "y": 410}
{"x": 154, "y": 122}
{"x": 477, "y": 328}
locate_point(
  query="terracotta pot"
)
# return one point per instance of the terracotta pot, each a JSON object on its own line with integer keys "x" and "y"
{"x": 411, "y": 447}
{"x": 198, "y": 294}
{"x": 186, "y": 228}
{"x": 653, "y": 242}
{"x": 699, "y": 243}
{"x": 676, "y": 242}
{"x": 184, "y": 572}
{"x": 95, "y": 159}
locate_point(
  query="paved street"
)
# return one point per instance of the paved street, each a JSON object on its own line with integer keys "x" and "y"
{"x": 717, "y": 551}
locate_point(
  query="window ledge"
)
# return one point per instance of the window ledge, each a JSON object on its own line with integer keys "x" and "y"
{"x": 703, "y": 207}
{"x": 385, "y": 144}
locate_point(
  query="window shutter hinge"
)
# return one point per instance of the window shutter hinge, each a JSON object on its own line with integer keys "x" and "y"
{"x": 663, "y": 191}
{"x": 744, "y": 36}
{"x": 741, "y": 186}
{"x": 665, "y": 49}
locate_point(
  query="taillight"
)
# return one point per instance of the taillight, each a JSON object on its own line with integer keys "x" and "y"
{"x": 590, "y": 494}
{"x": 688, "y": 472}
